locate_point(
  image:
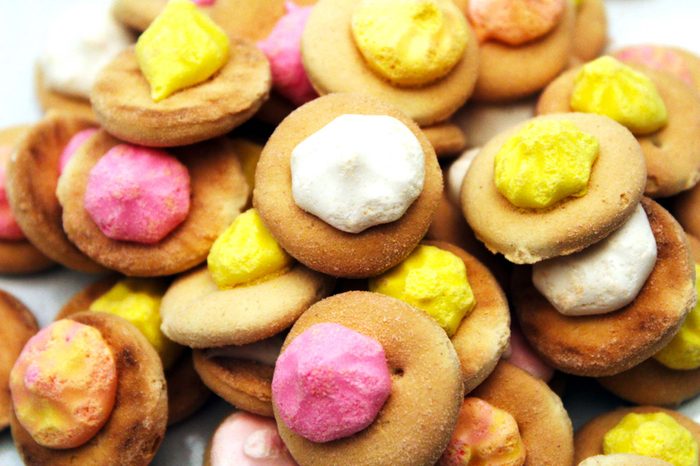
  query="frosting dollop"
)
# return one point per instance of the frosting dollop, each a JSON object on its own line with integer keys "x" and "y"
{"x": 608, "y": 87}
{"x": 456, "y": 173}
{"x": 484, "y": 435}
{"x": 657, "y": 435}
{"x": 182, "y": 47}
{"x": 603, "y": 277}
{"x": 514, "y": 22}
{"x": 657, "y": 58}
{"x": 358, "y": 171}
{"x": 622, "y": 459}
{"x": 244, "y": 439}
{"x": 246, "y": 252}
{"x": 410, "y": 42}
{"x": 9, "y": 228}
{"x": 330, "y": 382}
{"x": 138, "y": 301}
{"x": 79, "y": 43}
{"x": 283, "y": 49}
{"x": 75, "y": 142}
{"x": 137, "y": 194}
{"x": 683, "y": 352}
{"x": 433, "y": 280}
{"x": 545, "y": 162}
{"x": 64, "y": 384}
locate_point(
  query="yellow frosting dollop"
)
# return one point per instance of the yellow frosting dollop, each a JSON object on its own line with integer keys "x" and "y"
{"x": 608, "y": 87}
{"x": 182, "y": 47}
{"x": 656, "y": 435}
{"x": 138, "y": 301}
{"x": 410, "y": 42}
{"x": 683, "y": 352}
{"x": 544, "y": 162}
{"x": 433, "y": 280}
{"x": 246, "y": 252}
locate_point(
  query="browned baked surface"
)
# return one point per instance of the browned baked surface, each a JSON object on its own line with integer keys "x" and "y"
{"x": 543, "y": 422}
{"x": 218, "y": 193}
{"x": 447, "y": 138}
{"x": 309, "y": 239}
{"x": 121, "y": 99}
{"x": 530, "y": 235}
{"x": 426, "y": 391}
{"x": 607, "y": 344}
{"x": 136, "y": 427}
{"x": 52, "y": 100}
{"x": 590, "y": 30}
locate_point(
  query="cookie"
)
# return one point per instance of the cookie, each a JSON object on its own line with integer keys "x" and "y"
{"x": 607, "y": 344}
{"x": 218, "y": 193}
{"x": 52, "y": 100}
{"x": 675, "y": 60}
{"x": 590, "y": 29}
{"x": 446, "y": 138}
{"x": 314, "y": 242}
{"x": 530, "y": 235}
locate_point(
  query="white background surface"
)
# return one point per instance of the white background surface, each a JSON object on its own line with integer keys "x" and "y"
{"x": 22, "y": 23}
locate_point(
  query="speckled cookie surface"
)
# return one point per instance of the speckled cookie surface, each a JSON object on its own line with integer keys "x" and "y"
{"x": 32, "y": 177}
{"x": 334, "y": 64}
{"x": 590, "y": 30}
{"x": 672, "y": 153}
{"x": 543, "y": 422}
{"x": 607, "y": 344}
{"x": 508, "y": 73}
{"x": 526, "y": 236}
{"x": 309, "y": 239}
{"x": 121, "y": 99}
{"x": 218, "y": 193}
{"x": 686, "y": 209}
{"x": 446, "y": 138}
{"x": 52, "y": 100}
{"x": 426, "y": 391}
{"x": 136, "y": 426}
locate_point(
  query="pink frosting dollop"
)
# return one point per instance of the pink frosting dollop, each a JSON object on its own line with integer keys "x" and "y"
{"x": 244, "y": 439}
{"x": 283, "y": 50}
{"x": 523, "y": 356}
{"x": 330, "y": 382}
{"x": 657, "y": 58}
{"x": 69, "y": 151}
{"x": 137, "y": 194}
{"x": 9, "y": 229}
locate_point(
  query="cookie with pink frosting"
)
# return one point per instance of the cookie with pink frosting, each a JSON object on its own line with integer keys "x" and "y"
{"x": 147, "y": 212}
{"x": 674, "y": 60}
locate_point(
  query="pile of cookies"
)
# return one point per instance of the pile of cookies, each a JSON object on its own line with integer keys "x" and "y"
{"x": 270, "y": 198}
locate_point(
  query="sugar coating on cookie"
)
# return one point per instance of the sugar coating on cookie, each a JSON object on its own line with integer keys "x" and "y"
{"x": 409, "y": 43}
{"x": 544, "y": 162}
{"x": 433, "y": 280}
{"x": 75, "y": 142}
{"x": 514, "y": 22}
{"x": 603, "y": 277}
{"x": 657, "y": 435}
{"x": 246, "y": 253}
{"x": 683, "y": 352}
{"x": 521, "y": 354}
{"x": 137, "y": 194}
{"x": 64, "y": 384}
{"x": 283, "y": 49}
{"x": 457, "y": 172}
{"x": 358, "y": 171}
{"x": 330, "y": 382}
{"x": 9, "y": 228}
{"x": 484, "y": 435}
{"x": 608, "y": 87}
{"x": 181, "y": 48}
{"x": 245, "y": 439}
{"x": 657, "y": 58}
{"x": 138, "y": 301}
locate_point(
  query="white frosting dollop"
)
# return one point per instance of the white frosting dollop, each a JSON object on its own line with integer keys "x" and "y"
{"x": 81, "y": 41}
{"x": 456, "y": 173}
{"x": 358, "y": 171}
{"x": 603, "y": 277}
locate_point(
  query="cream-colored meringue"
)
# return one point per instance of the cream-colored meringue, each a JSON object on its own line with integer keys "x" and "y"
{"x": 603, "y": 277}
{"x": 456, "y": 173}
{"x": 358, "y": 171}
{"x": 78, "y": 44}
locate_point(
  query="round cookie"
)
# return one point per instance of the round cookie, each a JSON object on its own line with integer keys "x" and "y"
{"x": 693, "y": 62}
{"x": 18, "y": 325}
{"x": 534, "y": 63}
{"x": 309, "y": 239}
{"x": 543, "y": 422}
{"x": 136, "y": 426}
{"x": 589, "y": 438}
{"x": 686, "y": 209}
{"x": 32, "y": 176}
{"x": 121, "y": 99}
{"x": 590, "y": 30}
{"x": 52, "y": 100}
{"x": 446, "y": 138}
{"x": 426, "y": 382}
{"x": 334, "y": 64}
{"x": 607, "y": 344}
{"x": 672, "y": 153}
{"x": 526, "y": 236}
{"x": 218, "y": 193}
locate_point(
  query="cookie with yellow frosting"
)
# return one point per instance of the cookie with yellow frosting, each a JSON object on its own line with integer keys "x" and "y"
{"x": 671, "y": 149}
{"x": 598, "y": 206}
{"x": 590, "y": 29}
